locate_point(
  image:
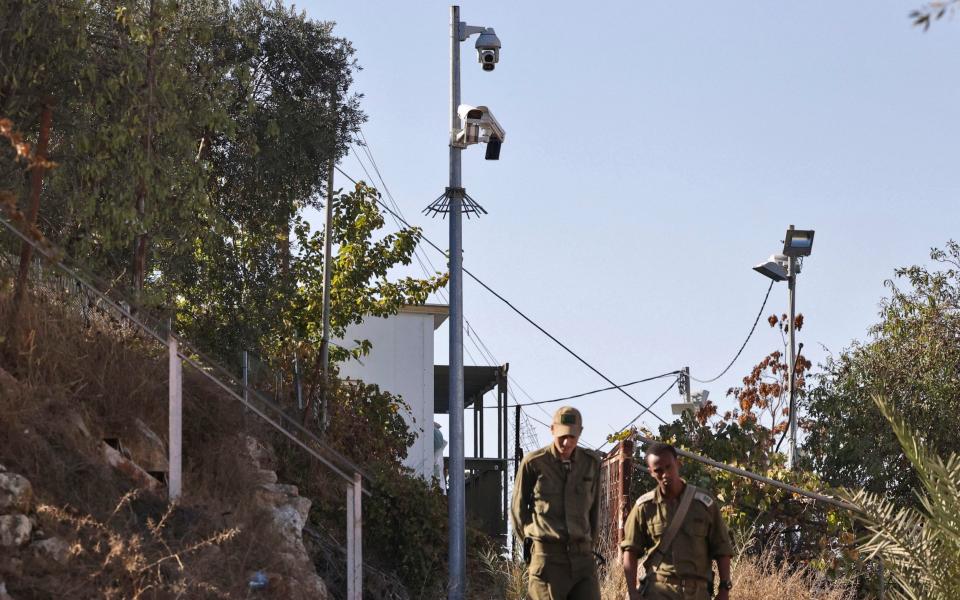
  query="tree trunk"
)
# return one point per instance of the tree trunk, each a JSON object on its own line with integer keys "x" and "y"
{"x": 140, "y": 243}
{"x": 36, "y": 183}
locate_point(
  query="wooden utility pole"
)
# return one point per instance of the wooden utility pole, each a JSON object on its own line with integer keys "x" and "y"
{"x": 37, "y": 169}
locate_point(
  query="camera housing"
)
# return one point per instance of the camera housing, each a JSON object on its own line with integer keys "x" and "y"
{"x": 480, "y": 127}
{"x": 488, "y": 49}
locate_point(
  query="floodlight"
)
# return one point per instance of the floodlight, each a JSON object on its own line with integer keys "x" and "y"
{"x": 799, "y": 242}
{"x": 774, "y": 267}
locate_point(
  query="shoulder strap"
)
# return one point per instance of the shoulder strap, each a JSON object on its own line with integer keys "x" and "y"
{"x": 663, "y": 547}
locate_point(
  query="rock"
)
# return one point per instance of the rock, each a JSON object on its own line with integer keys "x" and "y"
{"x": 129, "y": 468}
{"x": 261, "y": 455}
{"x": 8, "y": 381}
{"x": 54, "y": 549}
{"x": 15, "y": 530}
{"x": 290, "y": 512}
{"x": 147, "y": 449}
{"x": 16, "y": 493}
{"x": 140, "y": 445}
{"x": 3, "y": 592}
{"x": 76, "y": 420}
{"x": 12, "y": 566}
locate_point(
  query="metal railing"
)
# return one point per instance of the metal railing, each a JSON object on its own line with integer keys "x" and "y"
{"x": 55, "y": 277}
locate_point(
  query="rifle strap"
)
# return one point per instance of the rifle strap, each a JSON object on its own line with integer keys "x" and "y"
{"x": 656, "y": 557}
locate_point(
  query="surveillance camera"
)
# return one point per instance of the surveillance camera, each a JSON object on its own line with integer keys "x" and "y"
{"x": 480, "y": 126}
{"x": 488, "y": 59}
{"x": 488, "y": 49}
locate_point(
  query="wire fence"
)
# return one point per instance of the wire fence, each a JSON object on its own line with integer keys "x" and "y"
{"x": 57, "y": 278}
{"x": 268, "y": 393}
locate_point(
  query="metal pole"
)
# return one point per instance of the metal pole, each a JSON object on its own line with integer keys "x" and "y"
{"x": 502, "y": 394}
{"x": 353, "y": 521}
{"x": 517, "y": 450}
{"x": 175, "y": 422}
{"x": 296, "y": 382}
{"x": 246, "y": 380}
{"x": 457, "y": 507}
{"x": 327, "y": 272}
{"x": 792, "y": 282}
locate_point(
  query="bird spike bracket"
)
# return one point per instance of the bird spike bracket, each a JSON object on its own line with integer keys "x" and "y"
{"x": 441, "y": 206}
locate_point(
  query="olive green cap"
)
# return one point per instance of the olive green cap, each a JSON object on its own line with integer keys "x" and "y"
{"x": 567, "y": 421}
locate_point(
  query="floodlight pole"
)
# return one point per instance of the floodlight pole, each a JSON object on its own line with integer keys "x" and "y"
{"x": 792, "y": 377}
{"x": 457, "y": 542}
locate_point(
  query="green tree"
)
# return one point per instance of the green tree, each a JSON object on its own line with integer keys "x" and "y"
{"x": 913, "y": 359}
{"x": 280, "y": 323}
{"x": 933, "y": 11}
{"x": 750, "y": 437}
{"x": 919, "y": 547}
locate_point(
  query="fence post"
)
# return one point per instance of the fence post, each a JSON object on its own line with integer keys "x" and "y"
{"x": 623, "y": 486}
{"x": 246, "y": 380}
{"x": 355, "y": 539}
{"x": 175, "y": 420}
{"x": 296, "y": 381}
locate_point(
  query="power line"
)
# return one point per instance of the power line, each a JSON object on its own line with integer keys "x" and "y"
{"x": 484, "y": 285}
{"x": 585, "y": 443}
{"x": 591, "y": 392}
{"x": 634, "y": 420}
{"x": 520, "y": 312}
{"x": 475, "y": 339}
{"x": 749, "y": 335}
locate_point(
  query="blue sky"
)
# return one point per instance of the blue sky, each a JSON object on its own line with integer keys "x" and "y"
{"x": 655, "y": 152}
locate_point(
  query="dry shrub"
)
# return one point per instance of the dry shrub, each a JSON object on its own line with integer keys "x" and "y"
{"x": 110, "y": 559}
{"x": 69, "y": 380}
{"x": 762, "y": 578}
{"x": 754, "y": 578}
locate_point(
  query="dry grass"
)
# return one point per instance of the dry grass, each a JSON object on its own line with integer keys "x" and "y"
{"x": 64, "y": 375}
{"x": 755, "y": 578}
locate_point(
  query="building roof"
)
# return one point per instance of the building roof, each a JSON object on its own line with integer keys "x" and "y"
{"x": 440, "y": 312}
{"x": 477, "y": 381}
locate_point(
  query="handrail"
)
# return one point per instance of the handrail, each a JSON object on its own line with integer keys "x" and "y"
{"x": 191, "y": 358}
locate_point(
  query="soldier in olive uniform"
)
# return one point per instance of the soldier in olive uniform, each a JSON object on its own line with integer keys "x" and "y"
{"x": 556, "y": 502}
{"x": 684, "y": 571}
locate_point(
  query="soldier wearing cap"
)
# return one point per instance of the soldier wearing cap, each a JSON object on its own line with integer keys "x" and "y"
{"x": 683, "y": 570}
{"x": 556, "y": 499}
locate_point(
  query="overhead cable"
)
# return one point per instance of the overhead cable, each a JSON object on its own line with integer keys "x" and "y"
{"x": 749, "y": 335}
{"x": 591, "y": 392}
{"x": 520, "y": 312}
{"x": 634, "y": 420}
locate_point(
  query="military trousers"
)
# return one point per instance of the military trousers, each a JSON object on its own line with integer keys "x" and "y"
{"x": 688, "y": 589}
{"x": 563, "y": 576}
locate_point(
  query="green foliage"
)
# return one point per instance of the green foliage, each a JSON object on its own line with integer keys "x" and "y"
{"x": 933, "y": 11}
{"x": 780, "y": 522}
{"x": 367, "y": 425}
{"x": 406, "y": 523}
{"x": 920, "y": 548}
{"x": 913, "y": 360}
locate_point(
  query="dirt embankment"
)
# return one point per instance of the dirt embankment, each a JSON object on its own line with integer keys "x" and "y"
{"x": 82, "y": 494}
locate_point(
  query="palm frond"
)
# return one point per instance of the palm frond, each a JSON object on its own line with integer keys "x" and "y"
{"x": 919, "y": 548}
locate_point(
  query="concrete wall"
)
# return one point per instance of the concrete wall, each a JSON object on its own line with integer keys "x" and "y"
{"x": 401, "y": 362}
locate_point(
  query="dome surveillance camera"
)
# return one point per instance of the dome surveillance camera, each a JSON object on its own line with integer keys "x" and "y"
{"x": 488, "y": 49}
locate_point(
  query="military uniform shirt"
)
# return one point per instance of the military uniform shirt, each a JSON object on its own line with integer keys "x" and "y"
{"x": 553, "y": 504}
{"x": 702, "y": 538}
